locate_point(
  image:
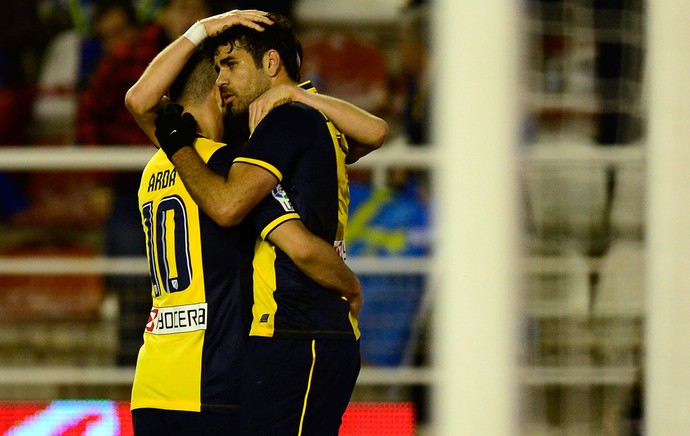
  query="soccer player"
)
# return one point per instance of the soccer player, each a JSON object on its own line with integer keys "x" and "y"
{"x": 187, "y": 375}
{"x": 302, "y": 357}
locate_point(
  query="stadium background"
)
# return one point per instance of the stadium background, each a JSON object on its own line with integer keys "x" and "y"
{"x": 582, "y": 180}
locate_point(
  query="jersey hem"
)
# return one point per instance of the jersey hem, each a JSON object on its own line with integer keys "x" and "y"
{"x": 184, "y": 406}
{"x": 262, "y": 164}
{"x": 295, "y": 334}
{"x": 277, "y": 222}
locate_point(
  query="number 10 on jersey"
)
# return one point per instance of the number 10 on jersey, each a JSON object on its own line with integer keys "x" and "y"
{"x": 167, "y": 241}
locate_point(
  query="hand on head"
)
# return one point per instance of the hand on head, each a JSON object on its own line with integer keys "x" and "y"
{"x": 252, "y": 18}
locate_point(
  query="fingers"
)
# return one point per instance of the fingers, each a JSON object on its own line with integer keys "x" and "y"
{"x": 255, "y": 118}
{"x": 355, "y": 309}
{"x": 257, "y": 112}
{"x": 188, "y": 118}
{"x": 254, "y": 14}
{"x": 252, "y": 120}
{"x": 252, "y": 18}
{"x": 172, "y": 108}
{"x": 269, "y": 100}
{"x": 171, "y": 112}
{"x": 165, "y": 112}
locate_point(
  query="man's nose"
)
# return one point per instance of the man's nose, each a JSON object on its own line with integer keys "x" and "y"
{"x": 220, "y": 80}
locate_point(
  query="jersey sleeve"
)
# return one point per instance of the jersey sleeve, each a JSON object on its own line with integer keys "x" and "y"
{"x": 280, "y": 139}
{"x": 271, "y": 212}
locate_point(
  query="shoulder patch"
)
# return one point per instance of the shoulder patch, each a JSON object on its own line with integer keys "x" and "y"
{"x": 281, "y": 196}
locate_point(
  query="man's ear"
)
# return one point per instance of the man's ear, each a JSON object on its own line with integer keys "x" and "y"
{"x": 272, "y": 62}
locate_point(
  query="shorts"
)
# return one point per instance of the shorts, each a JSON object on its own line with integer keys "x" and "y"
{"x": 297, "y": 386}
{"x": 159, "y": 422}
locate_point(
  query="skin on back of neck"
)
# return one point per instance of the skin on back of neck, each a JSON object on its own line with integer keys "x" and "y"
{"x": 208, "y": 117}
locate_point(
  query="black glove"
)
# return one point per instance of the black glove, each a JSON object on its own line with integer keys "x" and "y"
{"x": 174, "y": 129}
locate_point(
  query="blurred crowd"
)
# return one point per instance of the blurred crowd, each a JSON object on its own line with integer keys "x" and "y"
{"x": 65, "y": 66}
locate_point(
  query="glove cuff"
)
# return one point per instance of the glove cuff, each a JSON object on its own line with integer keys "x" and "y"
{"x": 171, "y": 149}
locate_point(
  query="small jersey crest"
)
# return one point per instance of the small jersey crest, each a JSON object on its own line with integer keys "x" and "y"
{"x": 282, "y": 197}
{"x": 339, "y": 247}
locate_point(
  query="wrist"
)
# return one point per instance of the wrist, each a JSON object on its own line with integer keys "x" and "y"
{"x": 196, "y": 33}
{"x": 299, "y": 95}
{"x": 172, "y": 150}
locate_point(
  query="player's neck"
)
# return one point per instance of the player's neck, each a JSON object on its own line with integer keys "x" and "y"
{"x": 209, "y": 120}
{"x": 282, "y": 79}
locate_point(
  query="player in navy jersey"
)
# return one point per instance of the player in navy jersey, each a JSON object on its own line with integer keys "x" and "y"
{"x": 187, "y": 376}
{"x": 302, "y": 356}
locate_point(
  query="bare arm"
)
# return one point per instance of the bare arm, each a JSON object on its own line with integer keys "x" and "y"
{"x": 365, "y": 132}
{"x": 226, "y": 200}
{"x": 148, "y": 93}
{"x": 318, "y": 260}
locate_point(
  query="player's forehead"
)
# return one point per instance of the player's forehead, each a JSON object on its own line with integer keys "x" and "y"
{"x": 228, "y": 51}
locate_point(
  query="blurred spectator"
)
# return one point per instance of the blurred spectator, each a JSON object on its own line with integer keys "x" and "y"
{"x": 67, "y": 199}
{"x": 416, "y": 75}
{"x": 68, "y": 63}
{"x": 19, "y": 49}
{"x": 394, "y": 220}
{"x": 103, "y": 120}
{"x": 347, "y": 65}
{"x": 114, "y": 24}
{"x": 54, "y": 109}
{"x": 391, "y": 221}
{"x": 13, "y": 199}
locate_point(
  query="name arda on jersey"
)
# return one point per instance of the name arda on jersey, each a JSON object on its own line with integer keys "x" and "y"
{"x": 177, "y": 319}
{"x": 162, "y": 179}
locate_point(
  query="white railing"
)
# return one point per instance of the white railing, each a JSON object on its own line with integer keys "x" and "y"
{"x": 394, "y": 154}
{"x": 37, "y": 157}
{"x": 371, "y": 376}
{"x": 55, "y": 265}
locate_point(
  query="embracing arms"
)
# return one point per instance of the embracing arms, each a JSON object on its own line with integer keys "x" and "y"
{"x": 365, "y": 132}
{"x": 149, "y": 92}
{"x": 227, "y": 200}
{"x": 318, "y": 260}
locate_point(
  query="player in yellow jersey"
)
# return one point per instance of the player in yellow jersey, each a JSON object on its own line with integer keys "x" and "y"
{"x": 187, "y": 377}
{"x": 302, "y": 357}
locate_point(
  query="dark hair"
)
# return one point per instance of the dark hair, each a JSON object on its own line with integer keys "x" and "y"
{"x": 102, "y": 7}
{"x": 280, "y": 36}
{"x": 215, "y": 6}
{"x": 196, "y": 79}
